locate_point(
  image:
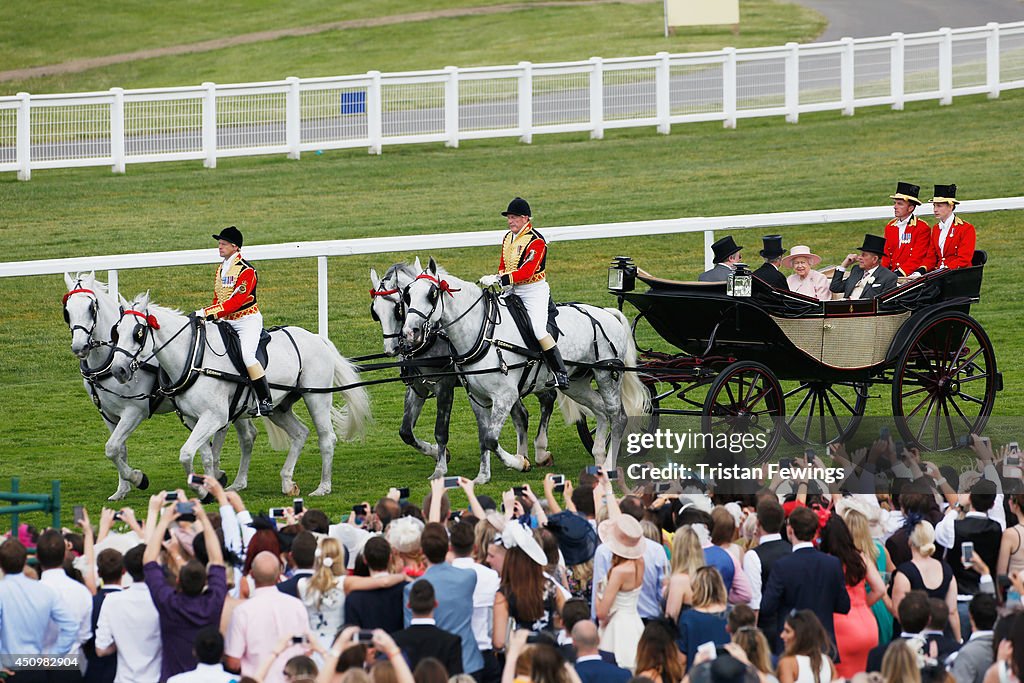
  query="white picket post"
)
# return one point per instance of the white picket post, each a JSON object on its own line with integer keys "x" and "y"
{"x": 992, "y": 60}
{"x": 526, "y": 102}
{"x": 846, "y": 75}
{"x": 23, "y": 137}
{"x": 596, "y": 98}
{"x": 793, "y": 83}
{"x": 663, "y": 95}
{"x": 293, "y": 118}
{"x": 946, "y": 66}
{"x": 897, "y": 86}
{"x": 375, "y": 114}
{"x": 210, "y": 125}
{"x": 729, "y": 87}
{"x": 117, "y": 131}
{"x": 321, "y": 295}
{"x": 451, "y": 107}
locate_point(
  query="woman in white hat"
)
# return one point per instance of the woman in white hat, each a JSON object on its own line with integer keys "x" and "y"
{"x": 621, "y": 626}
{"x": 805, "y": 279}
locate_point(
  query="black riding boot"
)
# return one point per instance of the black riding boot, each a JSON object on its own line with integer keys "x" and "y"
{"x": 557, "y": 367}
{"x": 264, "y": 406}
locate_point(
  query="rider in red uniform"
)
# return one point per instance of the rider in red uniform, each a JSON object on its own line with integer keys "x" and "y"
{"x": 234, "y": 302}
{"x": 908, "y": 239}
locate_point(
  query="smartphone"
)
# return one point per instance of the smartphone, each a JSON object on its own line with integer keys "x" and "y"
{"x": 78, "y": 514}
{"x": 809, "y": 454}
{"x": 455, "y": 515}
{"x": 785, "y": 463}
{"x": 899, "y": 447}
{"x": 297, "y": 505}
{"x": 662, "y": 486}
{"x": 987, "y": 441}
{"x": 967, "y": 552}
{"x": 883, "y": 433}
{"x": 195, "y": 479}
{"x": 299, "y": 640}
{"x": 451, "y": 482}
{"x": 276, "y": 512}
{"x": 363, "y": 636}
{"x": 1014, "y": 448}
{"x": 184, "y": 508}
{"x": 403, "y": 492}
{"x": 613, "y": 475}
{"x": 709, "y": 648}
{"x": 117, "y": 516}
{"x": 593, "y": 469}
{"x": 171, "y": 496}
{"x": 1013, "y": 460}
{"x": 559, "y": 481}
{"x": 518, "y": 490}
{"x": 360, "y": 510}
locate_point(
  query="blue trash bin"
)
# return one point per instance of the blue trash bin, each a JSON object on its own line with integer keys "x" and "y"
{"x": 353, "y": 102}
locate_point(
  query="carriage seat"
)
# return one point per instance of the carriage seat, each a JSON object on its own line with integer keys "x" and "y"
{"x": 980, "y": 257}
{"x": 654, "y": 280}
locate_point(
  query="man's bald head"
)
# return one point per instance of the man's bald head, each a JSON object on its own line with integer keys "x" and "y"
{"x": 266, "y": 569}
{"x": 585, "y": 638}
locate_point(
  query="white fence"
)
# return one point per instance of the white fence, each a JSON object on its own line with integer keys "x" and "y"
{"x": 211, "y": 121}
{"x": 439, "y": 242}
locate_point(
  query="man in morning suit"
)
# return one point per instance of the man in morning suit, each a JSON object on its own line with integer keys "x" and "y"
{"x": 908, "y": 239}
{"x": 727, "y": 255}
{"x": 590, "y": 667}
{"x": 772, "y": 255}
{"x": 953, "y": 238}
{"x": 423, "y": 638}
{"x": 805, "y": 579}
{"x": 303, "y": 556}
{"x": 868, "y": 279}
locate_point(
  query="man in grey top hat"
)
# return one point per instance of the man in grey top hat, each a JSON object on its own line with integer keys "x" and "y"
{"x": 727, "y": 255}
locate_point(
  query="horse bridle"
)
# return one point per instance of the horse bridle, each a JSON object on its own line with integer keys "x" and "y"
{"x": 93, "y": 306}
{"x": 139, "y": 334}
{"x": 399, "y": 310}
{"x": 437, "y": 287}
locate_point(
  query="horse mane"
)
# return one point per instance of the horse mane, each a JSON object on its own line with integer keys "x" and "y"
{"x": 155, "y": 309}
{"x": 403, "y": 267}
{"x": 96, "y": 283}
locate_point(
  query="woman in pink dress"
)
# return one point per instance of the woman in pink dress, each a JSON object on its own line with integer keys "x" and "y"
{"x": 856, "y": 632}
{"x": 805, "y": 279}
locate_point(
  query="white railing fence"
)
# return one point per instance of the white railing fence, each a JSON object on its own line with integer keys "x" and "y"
{"x": 322, "y": 250}
{"x": 208, "y": 122}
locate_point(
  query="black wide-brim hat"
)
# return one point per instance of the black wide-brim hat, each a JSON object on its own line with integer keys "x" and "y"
{"x": 724, "y": 248}
{"x": 945, "y": 193}
{"x": 772, "y": 247}
{"x": 907, "y": 191}
{"x": 517, "y": 207}
{"x": 873, "y": 244}
{"x": 231, "y": 234}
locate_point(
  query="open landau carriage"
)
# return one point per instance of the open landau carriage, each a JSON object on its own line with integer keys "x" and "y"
{"x": 757, "y": 359}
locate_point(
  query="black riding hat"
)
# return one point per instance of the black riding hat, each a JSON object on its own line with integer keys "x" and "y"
{"x": 517, "y": 207}
{"x": 724, "y": 248}
{"x": 230, "y": 234}
{"x": 772, "y": 247}
{"x": 873, "y": 244}
{"x": 907, "y": 191}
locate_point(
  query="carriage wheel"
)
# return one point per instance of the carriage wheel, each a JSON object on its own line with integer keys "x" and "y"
{"x": 824, "y": 412}
{"x": 745, "y": 398}
{"x": 945, "y": 383}
{"x": 644, "y": 423}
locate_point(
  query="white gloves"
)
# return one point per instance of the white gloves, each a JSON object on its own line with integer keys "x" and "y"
{"x": 201, "y": 314}
{"x": 913, "y": 276}
{"x": 490, "y": 282}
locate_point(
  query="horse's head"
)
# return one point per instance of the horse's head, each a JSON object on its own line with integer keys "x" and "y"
{"x": 424, "y": 299}
{"x": 81, "y": 310}
{"x": 129, "y": 335}
{"x": 387, "y": 307}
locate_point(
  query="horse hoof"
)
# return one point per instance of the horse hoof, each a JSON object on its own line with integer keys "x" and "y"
{"x": 526, "y": 465}
{"x": 119, "y": 494}
{"x": 480, "y": 481}
{"x": 143, "y": 483}
{"x": 207, "y": 499}
{"x": 549, "y": 462}
{"x": 237, "y": 486}
{"x": 222, "y": 478}
{"x": 292, "y": 490}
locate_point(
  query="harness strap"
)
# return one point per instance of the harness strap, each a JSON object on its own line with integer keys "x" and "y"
{"x": 190, "y": 373}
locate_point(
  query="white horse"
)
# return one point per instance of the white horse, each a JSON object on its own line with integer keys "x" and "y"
{"x": 387, "y": 309}
{"x": 591, "y": 335}
{"x": 91, "y": 312}
{"x": 297, "y": 359}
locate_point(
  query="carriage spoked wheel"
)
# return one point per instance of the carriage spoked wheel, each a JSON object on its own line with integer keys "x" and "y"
{"x": 820, "y": 413}
{"x": 945, "y": 383}
{"x": 585, "y": 427}
{"x": 746, "y": 398}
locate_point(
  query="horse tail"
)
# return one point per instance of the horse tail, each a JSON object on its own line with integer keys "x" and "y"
{"x": 279, "y": 439}
{"x": 351, "y": 420}
{"x": 572, "y": 412}
{"x": 635, "y": 398}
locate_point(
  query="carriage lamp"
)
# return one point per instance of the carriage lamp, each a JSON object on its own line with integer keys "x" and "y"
{"x": 622, "y": 275}
{"x": 740, "y": 282}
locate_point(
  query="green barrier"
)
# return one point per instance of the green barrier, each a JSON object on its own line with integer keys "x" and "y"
{"x": 31, "y": 502}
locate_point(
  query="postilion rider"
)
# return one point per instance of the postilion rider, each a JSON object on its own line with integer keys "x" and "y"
{"x": 523, "y": 256}
{"x": 234, "y": 302}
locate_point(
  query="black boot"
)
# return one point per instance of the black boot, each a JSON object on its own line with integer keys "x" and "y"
{"x": 557, "y": 367}
{"x": 264, "y": 406}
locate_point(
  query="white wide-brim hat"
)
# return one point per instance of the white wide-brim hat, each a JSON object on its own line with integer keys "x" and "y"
{"x": 624, "y": 536}
{"x": 515, "y": 535}
{"x": 801, "y": 250}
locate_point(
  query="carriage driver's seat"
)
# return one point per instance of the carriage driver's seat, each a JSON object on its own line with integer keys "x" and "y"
{"x": 980, "y": 258}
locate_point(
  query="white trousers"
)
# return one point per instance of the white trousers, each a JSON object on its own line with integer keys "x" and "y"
{"x": 535, "y": 296}
{"x": 248, "y": 329}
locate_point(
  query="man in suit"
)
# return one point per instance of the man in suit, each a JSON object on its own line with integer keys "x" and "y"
{"x": 953, "y": 238}
{"x": 573, "y": 612}
{"x": 758, "y": 563}
{"x": 382, "y": 607}
{"x": 868, "y": 279}
{"x": 727, "y": 255}
{"x": 110, "y": 567}
{"x": 971, "y": 662}
{"x": 454, "y": 612}
{"x": 908, "y": 239}
{"x": 590, "y": 666}
{"x": 936, "y": 630}
{"x": 303, "y": 555}
{"x": 423, "y": 638}
{"x": 914, "y": 613}
{"x": 806, "y": 578}
{"x": 772, "y": 255}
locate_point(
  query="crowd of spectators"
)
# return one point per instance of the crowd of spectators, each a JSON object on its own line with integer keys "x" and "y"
{"x": 594, "y": 580}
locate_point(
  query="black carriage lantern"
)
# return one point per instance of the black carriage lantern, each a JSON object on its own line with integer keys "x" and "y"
{"x": 622, "y": 275}
{"x": 740, "y": 282}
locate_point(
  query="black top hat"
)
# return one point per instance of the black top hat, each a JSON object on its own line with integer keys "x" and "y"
{"x": 517, "y": 207}
{"x": 772, "y": 247}
{"x": 724, "y": 248}
{"x": 873, "y": 244}
{"x": 230, "y": 234}
{"x": 576, "y": 537}
{"x": 945, "y": 193}
{"x": 907, "y": 191}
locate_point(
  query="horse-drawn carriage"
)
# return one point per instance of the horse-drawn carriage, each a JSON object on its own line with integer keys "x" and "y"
{"x": 759, "y": 359}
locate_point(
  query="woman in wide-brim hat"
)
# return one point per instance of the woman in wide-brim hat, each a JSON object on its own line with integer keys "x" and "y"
{"x": 621, "y": 626}
{"x": 805, "y": 279}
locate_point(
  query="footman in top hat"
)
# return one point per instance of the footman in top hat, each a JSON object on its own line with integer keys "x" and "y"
{"x": 953, "y": 238}
{"x": 908, "y": 239}
{"x": 234, "y": 302}
{"x": 521, "y": 267}
{"x": 772, "y": 255}
{"x": 868, "y": 279}
{"x": 727, "y": 255}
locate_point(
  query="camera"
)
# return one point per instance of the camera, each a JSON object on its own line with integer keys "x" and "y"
{"x": 170, "y": 496}
{"x": 297, "y": 505}
{"x": 518, "y": 490}
{"x": 298, "y": 640}
{"x": 184, "y": 508}
{"x": 363, "y": 636}
{"x": 78, "y": 514}
{"x": 196, "y": 479}
{"x": 559, "y": 481}
{"x": 593, "y": 469}
{"x": 967, "y": 552}
{"x": 662, "y": 486}
{"x": 118, "y": 516}
{"x": 360, "y": 510}
{"x": 455, "y": 515}
{"x": 403, "y": 492}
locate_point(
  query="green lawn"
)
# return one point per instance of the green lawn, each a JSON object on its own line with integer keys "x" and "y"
{"x": 50, "y": 430}
{"x": 554, "y": 34}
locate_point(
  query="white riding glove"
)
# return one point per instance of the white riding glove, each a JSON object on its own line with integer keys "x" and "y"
{"x": 913, "y": 276}
{"x": 201, "y": 314}
{"x": 490, "y": 282}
